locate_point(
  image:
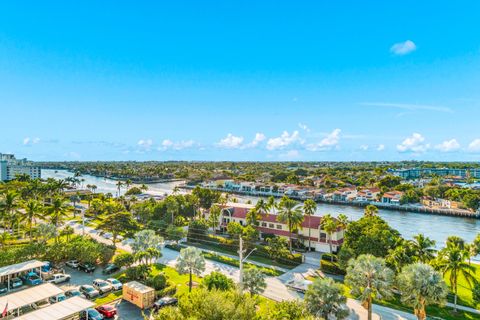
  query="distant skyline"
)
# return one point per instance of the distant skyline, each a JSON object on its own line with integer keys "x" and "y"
{"x": 240, "y": 80}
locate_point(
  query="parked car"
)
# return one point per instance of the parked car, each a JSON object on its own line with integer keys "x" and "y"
{"x": 60, "y": 278}
{"x": 91, "y": 314}
{"x": 3, "y": 288}
{"x": 58, "y": 298}
{"x": 102, "y": 286}
{"x": 86, "y": 266}
{"x": 115, "y": 283}
{"x": 73, "y": 264}
{"x": 110, "y": 268}
{"x": 164, "y": 302}
{"x": 40, "y": 304}
{"x": 89, "y": 291}
{"x": 107, "y": 311}
{"x": 74, "y": 293}
{"x": 32, "y": 279}
{"x": 16, "y": 283}
{"x": 46, "y": 267}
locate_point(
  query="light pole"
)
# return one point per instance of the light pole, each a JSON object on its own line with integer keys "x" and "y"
{"x": 242, "y": 259}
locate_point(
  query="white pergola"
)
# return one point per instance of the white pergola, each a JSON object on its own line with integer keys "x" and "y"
{"x": 8, "y": 271}
{"x": 59, "y": 311}
{"x": 15, "y": 301}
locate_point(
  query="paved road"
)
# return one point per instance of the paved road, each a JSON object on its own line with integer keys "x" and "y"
{"x": 276, "y": 288}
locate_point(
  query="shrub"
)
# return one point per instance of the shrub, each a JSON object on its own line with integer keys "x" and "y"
{"x": 331, "y": 267}
{"x": 124, "y": 259}
{"x": 169, "y": 290}
{"x": 157, "y": 282}
{"x": 217, "y": 280}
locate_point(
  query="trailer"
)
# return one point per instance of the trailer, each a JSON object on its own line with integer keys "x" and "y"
{"x": 139, "y": 294}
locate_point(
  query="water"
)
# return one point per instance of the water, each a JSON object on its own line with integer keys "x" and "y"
{"x": 408, "y": 224}
{"x": 108, "y": 185}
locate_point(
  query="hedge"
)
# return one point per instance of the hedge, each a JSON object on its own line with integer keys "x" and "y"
{"x": 331, "y": 267}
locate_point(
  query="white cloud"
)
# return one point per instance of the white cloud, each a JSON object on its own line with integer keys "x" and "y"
{"x": 364, "y": 147}
{"x": 414, "y": 143}
{"x": 304, "y": 127}
{"x": 329, "y": 142}
{"x": 448, "y": 146}
{"x": 259, "y": 137}
{"x": 145, "y": 143}
{"x": 283, "y": 141}
{"x": 29, "y": 141}
{"x": 169, "y": 144}
{"x": 406, "y": 106}
{"x": 231, "y": 142}
{"x": 403, "y": 48}
{"x": 380, "y": 147}
{"x": 474, "y": 146}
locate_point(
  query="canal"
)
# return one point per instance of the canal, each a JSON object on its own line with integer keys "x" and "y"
{"x": 408, "y": 224}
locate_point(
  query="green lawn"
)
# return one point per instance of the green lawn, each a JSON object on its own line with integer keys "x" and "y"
{"x": 464, "y": 290}
{"x": 180, "y": 280}
{"x": 108, "y": 298}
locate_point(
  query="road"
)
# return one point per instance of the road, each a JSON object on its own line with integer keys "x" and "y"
{"x": 276, "y": 288}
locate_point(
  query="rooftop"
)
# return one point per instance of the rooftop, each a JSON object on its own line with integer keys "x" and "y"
{"x": 59, "y": 310}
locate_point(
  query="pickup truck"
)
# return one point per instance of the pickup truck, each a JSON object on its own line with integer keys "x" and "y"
{"x": 59, "y": 278}
{"x": 32, "y": 279}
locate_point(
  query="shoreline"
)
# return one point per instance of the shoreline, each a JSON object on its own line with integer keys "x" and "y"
{"x": 416, "y": 209}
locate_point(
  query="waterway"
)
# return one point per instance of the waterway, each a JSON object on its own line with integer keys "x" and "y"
{"x": 408, "y": 224}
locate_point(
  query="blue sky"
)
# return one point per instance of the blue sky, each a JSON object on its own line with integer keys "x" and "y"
{"x": 240, "y": 80}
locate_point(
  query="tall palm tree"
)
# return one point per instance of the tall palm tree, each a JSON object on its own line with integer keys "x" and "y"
{"x": 329, "y": 225}
{"x": 128, "y": 183}
{"x": 451, "y": 261}
{"x": 271, "y": 204}
{"x": 262, "y": 206}
{"x": 421, "y": 285}
{"x": 94, "y": 188}
{"x": 290, "y": 213}
{"x": 423, "y": 248}
{"x": 119, "y": 186}
{"x": 9, "y": 207}
{"x": 57, "y": 211}
{"x": 190, "y": 261}
{"x": 33, "y": 211}
{"x": 342, "y": 220}
{"x": 369, "y": 278}
{"x": 309, "y": 209}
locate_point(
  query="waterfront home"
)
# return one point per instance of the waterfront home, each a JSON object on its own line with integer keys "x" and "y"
{"x": 438, "y": 203}
{"x": 345, "y": 194}
{"x": 392, "y": 197}
{"x": 367, "y": 194}
{"x": 269, "y": 225}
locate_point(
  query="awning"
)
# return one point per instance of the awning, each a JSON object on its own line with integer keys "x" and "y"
{"x": 59, "y": 310}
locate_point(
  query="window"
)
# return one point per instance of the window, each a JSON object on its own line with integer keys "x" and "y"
{"x": 271, "y": 225}
{"x": 279, "y": 226}
{"x": 323, "y": 236}
{"x": 264, "y": 224}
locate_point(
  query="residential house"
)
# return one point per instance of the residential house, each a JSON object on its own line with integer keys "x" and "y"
{"x": 392, "y": 197}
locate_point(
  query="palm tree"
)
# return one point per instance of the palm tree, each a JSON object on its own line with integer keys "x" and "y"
{"x": 451, "y": 261}
{"x": 253, "y": 217}
{"x": 329, "y": 225}
{"x": 9, "y": 207}
{"x": 190, "y": 261}
{"x": 213, "y": 216}
{"x": 271, "y": 204}
{"x": 342, "y": 221}
{"x": 75, "y": 199}
{"x": 369, "y": 278}
{"x": 291, "y": 214}
{"x": 119, "y": 186}
{"x": 94, "y": 187}
{"x": 370, "y": 211}
{"x": 262, "y": 207}
{"x": 128, "y": 183}
{"x": 423, "y": 248}
{"x": 324, "y": 298}
{"x": 33, "y": 211}
{"x": 421, "y": 285}
{"x": 57, "y": 211}
{"x": 309, "y": 209}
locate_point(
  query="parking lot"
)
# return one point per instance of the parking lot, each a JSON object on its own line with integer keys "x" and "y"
{"x": 126, "y": 310}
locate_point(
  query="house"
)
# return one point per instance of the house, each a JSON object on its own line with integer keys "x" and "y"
{"x": 439, "y": 203}
{"x": 392, "y": 197}
{"x": 367, "y": 194}
{"x": 345, "y": 194}
{"x": 269, "y": 225}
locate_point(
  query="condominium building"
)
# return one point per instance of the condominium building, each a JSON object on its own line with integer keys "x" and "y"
{"x": 415, "y": 173}
{"x": 10, "y": 168}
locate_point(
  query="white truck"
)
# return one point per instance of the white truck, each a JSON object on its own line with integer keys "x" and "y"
{"x": 59, "y": 278}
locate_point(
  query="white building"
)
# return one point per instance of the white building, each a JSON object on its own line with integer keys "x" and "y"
{"x": 10, "y": 167}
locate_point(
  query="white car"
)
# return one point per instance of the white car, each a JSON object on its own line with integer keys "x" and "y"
{"x": 117, "y": 285}
{"x": 72, "y": 264}
{"x": 60, "y": 278}
{"x": 102, "y": 286}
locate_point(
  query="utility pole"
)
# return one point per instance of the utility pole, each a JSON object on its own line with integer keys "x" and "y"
{"x": 83, "y": 221}
{"x": 240, "y": 255}
{"x": 242, "y": 260}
